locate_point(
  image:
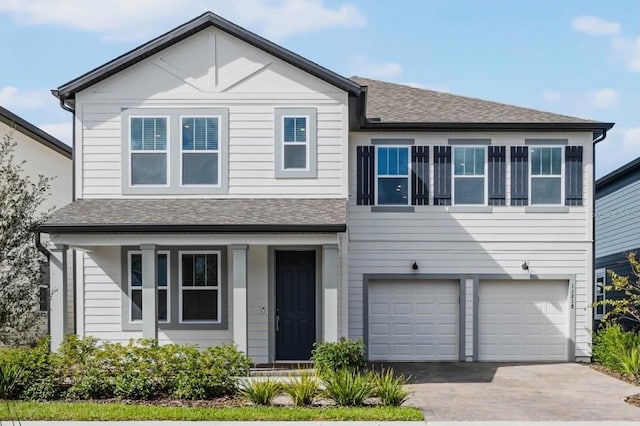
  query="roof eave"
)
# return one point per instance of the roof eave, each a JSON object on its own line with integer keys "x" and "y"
{"x": 181, "y": 228}
{"x": 619, "y": 173}
{"x": 473, "y": 126}
{"x": 68, "y": 90}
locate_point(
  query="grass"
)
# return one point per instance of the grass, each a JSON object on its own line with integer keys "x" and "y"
{"x": 85, "y": 411}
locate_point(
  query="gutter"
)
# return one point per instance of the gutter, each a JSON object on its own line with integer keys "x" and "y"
{"x": 41, "y": 248}
{"x": 181, "y": 228}
{"x": 474, "y": 126}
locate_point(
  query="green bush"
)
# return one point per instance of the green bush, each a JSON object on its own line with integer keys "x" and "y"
{"x": 617, "y": 349}
{"x": 261, "y": 391}
{"x": 135, "y": 385}
{"x": 302, "y": 389}
{"x": 46, "y": 388}
{"x": 391, "y": 389}
{"x": 11, "y": 375}
{"x": 330, "y": 357}
{"x": 348, "y": 387}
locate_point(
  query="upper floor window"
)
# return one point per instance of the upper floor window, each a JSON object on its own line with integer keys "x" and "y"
{"x": 295, "y": 143}
{"x": 392, "y": 175}
{"x": 469, "y": 175}
{"x": 546, "y": 175}
{"x": 200, "y": 151}
{"x": 148, "y": 149}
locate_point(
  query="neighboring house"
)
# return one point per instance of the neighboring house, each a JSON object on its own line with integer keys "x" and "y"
{"x": 45, "y": 155}
{"x": 231, "y": 191}
{"x": 617, "y": 228}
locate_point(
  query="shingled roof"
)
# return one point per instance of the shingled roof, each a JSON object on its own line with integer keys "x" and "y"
{"x": 397, "y": 103}
{"x": 200, "y": 215}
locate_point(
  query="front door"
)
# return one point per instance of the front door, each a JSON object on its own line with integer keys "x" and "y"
{"x": 295, "y": 304}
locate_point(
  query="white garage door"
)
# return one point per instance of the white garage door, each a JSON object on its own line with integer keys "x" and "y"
{"x": 523, "y": 321}
{"x": 413, "y": 320}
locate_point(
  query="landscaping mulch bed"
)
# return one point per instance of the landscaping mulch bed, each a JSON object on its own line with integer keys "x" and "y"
{"x": 633, "y": 399}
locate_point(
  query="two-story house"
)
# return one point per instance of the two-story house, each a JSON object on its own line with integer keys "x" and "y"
{"x": 230, "y": 191}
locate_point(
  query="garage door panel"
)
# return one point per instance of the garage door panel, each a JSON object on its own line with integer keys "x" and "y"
{"x": 523, "y": 321}
{"x": 420, "y": 323}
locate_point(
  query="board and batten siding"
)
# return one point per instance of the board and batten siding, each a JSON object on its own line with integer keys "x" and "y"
{"x": 617, "y": 219}
{"x": 443, "y": 241}
{"x": 244, "y": 80}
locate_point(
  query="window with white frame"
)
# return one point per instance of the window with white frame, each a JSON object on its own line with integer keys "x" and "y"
{"x": 135, "y": 285}
{"x": 469, "y": 175}
{"x": 148, "y": 150}
{"x": 200, "y": 297}
{"x": 200, "y": 151}
{"x": 295, "y": 143}
{"x": 546, "y": 175}
{"x": 392, "y": 173}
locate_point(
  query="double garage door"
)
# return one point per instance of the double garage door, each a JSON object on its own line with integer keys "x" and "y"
{"x": 419, "y": 320}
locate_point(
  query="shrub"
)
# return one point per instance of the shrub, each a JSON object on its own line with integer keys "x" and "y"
{"x": 10, "y": 379}
{"x": 391, "y": 389}
{"x": 330, "y": 357}
{"x": 348, "y": 387}
{"x": 617, "y": 349}
{"x": 93, "y": 384}
{"x": 261, "y": 391}
{"x": 135, "y": 385}
{"x": 303, "y": 389}
{"x": 43, "y": 389}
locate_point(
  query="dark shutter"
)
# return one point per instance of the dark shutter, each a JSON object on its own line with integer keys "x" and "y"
{"x": 441, "y": 175}
{"x": 519, "y": 176}
{"x": 420, "y": 175}
{"x": 497, "y": 175}
{"x": 366, "y": 175}
{"x": 573, "y": 175}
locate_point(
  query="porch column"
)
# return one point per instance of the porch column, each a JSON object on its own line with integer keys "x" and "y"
{"x": 149, "y": 292}
{"x": 330, "y": 293}
{"x": 57, "y": 295}
{"x": 240, "y": 296}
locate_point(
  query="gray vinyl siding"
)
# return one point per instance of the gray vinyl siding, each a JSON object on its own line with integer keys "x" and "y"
{"x": 618, "y": 221}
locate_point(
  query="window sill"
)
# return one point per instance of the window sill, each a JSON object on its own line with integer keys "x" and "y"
{"x": 392, "y": 209}
{"x": 546, "y": 209}
{"x": 470, "y": 209}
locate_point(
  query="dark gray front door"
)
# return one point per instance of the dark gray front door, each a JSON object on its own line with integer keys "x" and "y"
{"x": 295, "y": 304}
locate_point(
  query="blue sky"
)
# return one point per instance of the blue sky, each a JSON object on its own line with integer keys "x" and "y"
{"x": 576, "y": 57}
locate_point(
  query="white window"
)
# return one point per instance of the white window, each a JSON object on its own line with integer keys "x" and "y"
{"x": 469, "y": 175}
{"x": 392, "y": 175}
{"x": 295, "y": 143}
{"x": 148, "y": 149}
{"x": 135, "y": 285}
{"x": 600, "y": 293}
{"x": 546, "y": 174}
{"x": 200, "y": 298}
{"x": 200, "y": 151}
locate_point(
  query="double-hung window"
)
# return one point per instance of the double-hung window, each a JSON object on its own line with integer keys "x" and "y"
{"x": 546, "y": 186}
{"x": 135, "y": 285}
{"x": 200, "y": 151}
{"x": 148, "y": 149}
{"x": 469, "y": 175}
{"x": 295, "y": 143}
{"x": 200, "y": 297}
{"x": 392, "y": 173}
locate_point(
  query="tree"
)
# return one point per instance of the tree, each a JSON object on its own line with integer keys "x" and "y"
{"x": 627, "y": 307}
{"x": 21, "y": 263}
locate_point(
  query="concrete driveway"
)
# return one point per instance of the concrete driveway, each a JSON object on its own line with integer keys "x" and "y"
{"x": 525, "y": 392}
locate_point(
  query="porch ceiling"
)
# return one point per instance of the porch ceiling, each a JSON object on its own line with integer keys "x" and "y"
{"x": 199, "y": 215}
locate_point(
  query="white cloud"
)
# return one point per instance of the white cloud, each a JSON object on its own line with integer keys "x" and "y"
{"x": 621, "y": 146}
{"x": 551, "y": 95}
{"x": 631, "y": 139}
{"x": 603, "y": 98}
{"x": 120, "y": 20}
{"x": 12, "y": 97}
{"x": 595, "y": 26}
{"x": 628, "y": 51}
{"x": 62, "y": 131}
{"x": 364, "y": 67}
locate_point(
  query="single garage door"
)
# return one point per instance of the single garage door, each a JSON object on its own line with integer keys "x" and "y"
{"x": 523, "y": 321}
{"x": 413, "y": 320}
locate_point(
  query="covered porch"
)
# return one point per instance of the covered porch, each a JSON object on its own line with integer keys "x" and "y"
{"x": 271, "y": 289}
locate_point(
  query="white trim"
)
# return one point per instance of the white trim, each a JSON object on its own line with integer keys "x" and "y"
{"x": 130, "y": 287}
{"x": 166, "y": 151}
{"x": 408, "y": 175}
{"x": 561, "y": 176}
{"x": 296, "y": 143}
{"x": 218, "y": 253}
{"x": 200, "y": 151}
{"x": 484, "y": 175}
{"x": 600, "y": 273}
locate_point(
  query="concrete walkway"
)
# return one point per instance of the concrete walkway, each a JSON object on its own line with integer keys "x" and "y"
{"x": 517, "y": 392}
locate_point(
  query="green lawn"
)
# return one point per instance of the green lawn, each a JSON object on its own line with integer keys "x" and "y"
{"x": 19, "y": 410}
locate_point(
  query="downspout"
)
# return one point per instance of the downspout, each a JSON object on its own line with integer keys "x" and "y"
{"x": 597, "y": 139}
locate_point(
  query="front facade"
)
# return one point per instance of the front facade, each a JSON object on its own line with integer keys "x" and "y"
{"x": 231, "y": 192}
{"x": 617, "y": 224}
